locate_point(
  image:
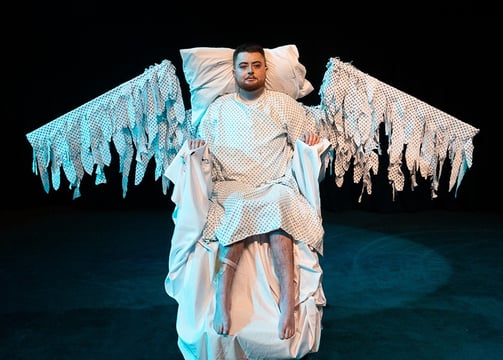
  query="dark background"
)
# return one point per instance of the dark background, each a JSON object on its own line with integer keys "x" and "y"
{"x": 56, "y": 58}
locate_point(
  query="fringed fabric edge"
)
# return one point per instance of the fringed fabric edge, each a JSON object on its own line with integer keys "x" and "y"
{"x": 353, "y": 107}
{"x": 143, "y": 118}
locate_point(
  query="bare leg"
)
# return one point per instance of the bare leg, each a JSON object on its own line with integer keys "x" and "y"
{"x": 282, "y": 254}
{"x": 229, "y": 257}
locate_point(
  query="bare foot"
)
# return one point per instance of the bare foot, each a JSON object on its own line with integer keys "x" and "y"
{"x": 229, "y": 258}
{"x": 286, "y": 325}
{"x": 282, "y": 251}
{"x": 221, "y": 320}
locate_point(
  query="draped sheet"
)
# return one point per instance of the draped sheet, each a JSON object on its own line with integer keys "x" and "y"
{"x": 255, "y": 294}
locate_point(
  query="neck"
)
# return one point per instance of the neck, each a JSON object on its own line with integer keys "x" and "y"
{"x": 249, "y": 96}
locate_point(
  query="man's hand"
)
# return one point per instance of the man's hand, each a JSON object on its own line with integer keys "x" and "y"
{"x": 310, "y": 138}
{"x": 195, "y": 143}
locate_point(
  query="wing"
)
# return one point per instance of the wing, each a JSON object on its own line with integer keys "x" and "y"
{"x": 354, "y": 105}
{"x": 143, "y": 118}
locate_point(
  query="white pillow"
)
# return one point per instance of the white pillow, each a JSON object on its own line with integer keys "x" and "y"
{"x": 208, "y": 71}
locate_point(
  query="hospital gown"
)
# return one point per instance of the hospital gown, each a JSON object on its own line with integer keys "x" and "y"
{"x": 254, "y": 190}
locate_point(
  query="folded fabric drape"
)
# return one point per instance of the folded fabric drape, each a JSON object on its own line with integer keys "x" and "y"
{"x": 192, "y": 270}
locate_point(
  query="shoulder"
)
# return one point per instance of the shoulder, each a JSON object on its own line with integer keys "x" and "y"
{"x": 219, "y": 102}
{"x": 225, "y": 97}
{"x": 282, "y": 97}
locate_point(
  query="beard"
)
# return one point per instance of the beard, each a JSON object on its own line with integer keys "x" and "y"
{"x": 251, "y": 87}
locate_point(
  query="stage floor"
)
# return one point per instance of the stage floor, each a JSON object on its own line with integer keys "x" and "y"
{"x": 89, "y": 284}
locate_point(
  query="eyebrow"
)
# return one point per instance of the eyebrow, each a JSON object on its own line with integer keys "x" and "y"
{"x": 257, "y": 62}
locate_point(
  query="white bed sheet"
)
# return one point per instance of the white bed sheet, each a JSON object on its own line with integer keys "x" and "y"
{"x": 255, "y": 292}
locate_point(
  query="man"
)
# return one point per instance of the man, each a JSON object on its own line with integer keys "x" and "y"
{"x": 251, "y": 136}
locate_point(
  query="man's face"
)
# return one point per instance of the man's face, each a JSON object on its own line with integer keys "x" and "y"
{"x": 250, "y": 71}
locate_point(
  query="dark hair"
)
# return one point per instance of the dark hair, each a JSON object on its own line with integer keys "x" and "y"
{"x": 248, "y": 47}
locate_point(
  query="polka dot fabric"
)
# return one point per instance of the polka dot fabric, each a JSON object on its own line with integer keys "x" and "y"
{"x": 355, "y": 104}
{"x": 144, "y": 118}
{"x": 254, "y": 190}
